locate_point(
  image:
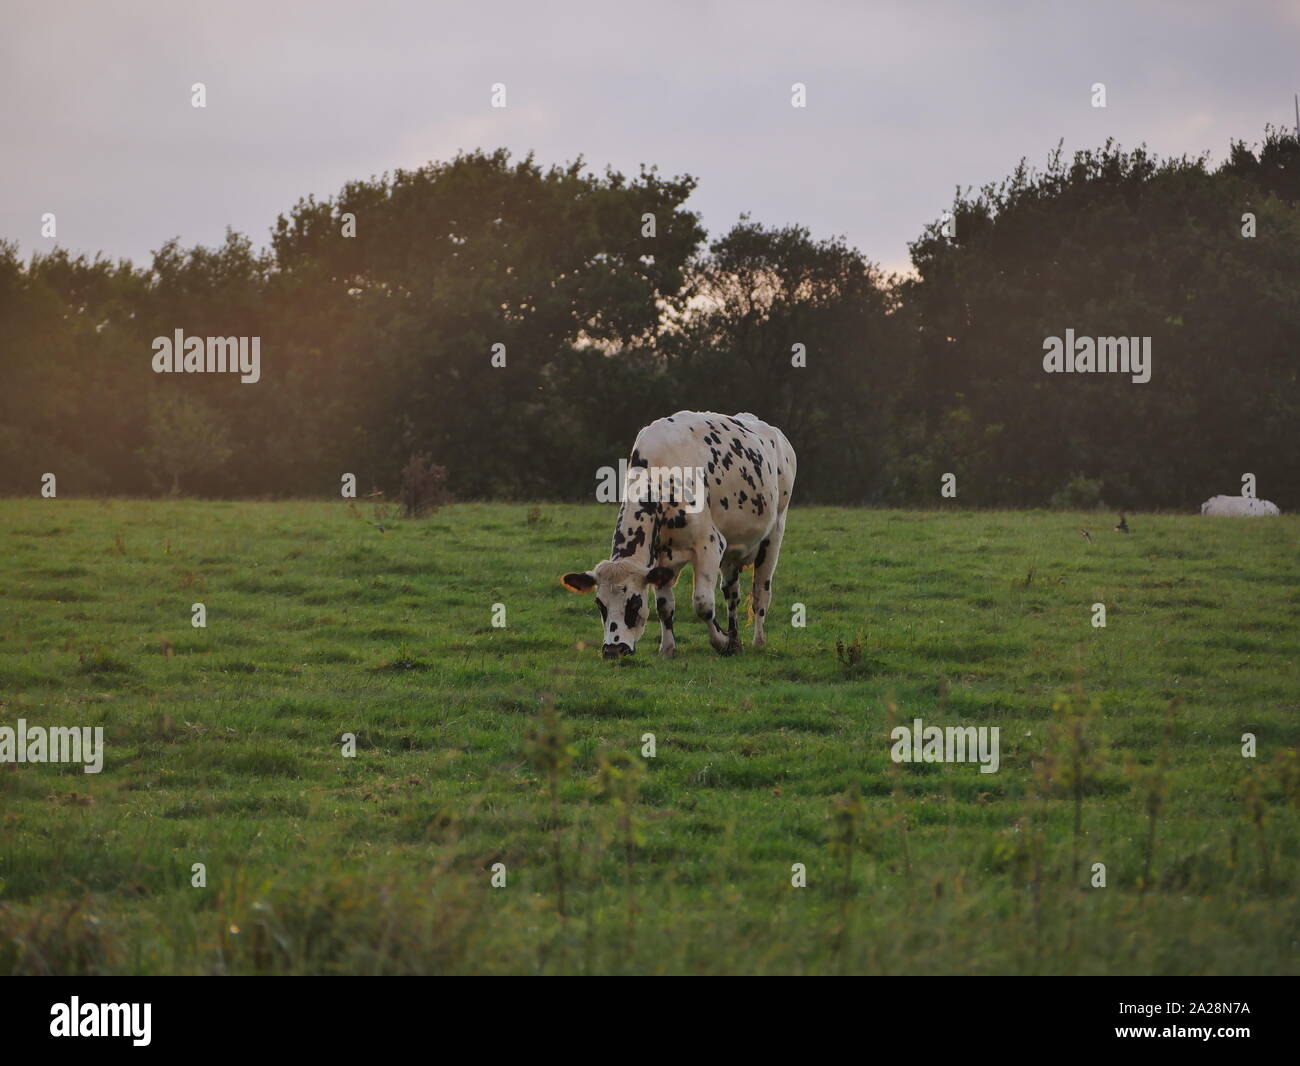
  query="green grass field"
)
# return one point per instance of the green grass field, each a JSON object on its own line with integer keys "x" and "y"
{"x": 479, "y": 745}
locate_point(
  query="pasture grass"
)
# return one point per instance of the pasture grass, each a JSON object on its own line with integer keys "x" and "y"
{"x": 479, "y": 745}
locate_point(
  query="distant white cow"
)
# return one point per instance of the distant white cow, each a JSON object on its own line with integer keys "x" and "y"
{"x": 1238, "y": 506}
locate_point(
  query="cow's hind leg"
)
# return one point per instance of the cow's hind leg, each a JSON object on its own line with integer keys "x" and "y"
{"x": 666, "y": 604}
{"x": 731, "y": 592}
{"x": 764, "y": 570}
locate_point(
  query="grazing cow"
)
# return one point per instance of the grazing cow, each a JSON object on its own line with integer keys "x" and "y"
{"x": 733, "y": 518}
{"x": 1238, "y": 506}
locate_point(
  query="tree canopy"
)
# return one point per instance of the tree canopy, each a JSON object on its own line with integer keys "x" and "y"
{"x": 386, "y": 311}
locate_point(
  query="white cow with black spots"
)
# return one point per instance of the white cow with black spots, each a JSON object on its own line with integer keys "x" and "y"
{"x": 749, "y": 470}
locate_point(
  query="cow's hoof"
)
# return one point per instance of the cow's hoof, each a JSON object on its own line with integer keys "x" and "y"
{"x": 731, "y": 647}
{"x": 758, "y": 643}
{"x": 668, "y": 653}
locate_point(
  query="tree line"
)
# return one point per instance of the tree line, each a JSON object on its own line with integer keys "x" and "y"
{"x": 518, "y": 324}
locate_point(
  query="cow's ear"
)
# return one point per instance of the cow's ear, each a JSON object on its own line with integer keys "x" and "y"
{"x": 660, "y": 576}
{"x": 578, "y": 582}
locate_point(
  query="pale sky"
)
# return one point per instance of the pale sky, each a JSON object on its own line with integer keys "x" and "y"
{"x": 905, "y": 101}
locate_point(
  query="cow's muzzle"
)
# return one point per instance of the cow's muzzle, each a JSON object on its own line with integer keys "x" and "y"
{"x": 616, "y": 651}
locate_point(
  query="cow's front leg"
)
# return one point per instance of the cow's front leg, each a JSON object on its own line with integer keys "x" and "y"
{"x": 665, "y": 604}
{"x": 706, "y": 578}
{"x": 764, "y": 571}
{"x": 731, "y": 593}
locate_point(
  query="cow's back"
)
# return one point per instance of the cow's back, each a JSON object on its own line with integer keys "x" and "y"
{"x": 749, "y": 466}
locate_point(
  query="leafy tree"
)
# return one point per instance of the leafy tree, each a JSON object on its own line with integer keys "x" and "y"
{"x": 801, "y": 333}
{"x": 454, "y": 258}
{"x": 1113, "y": 243}
{"x": 185, "y": 438}
{"x": 378, "y": 311}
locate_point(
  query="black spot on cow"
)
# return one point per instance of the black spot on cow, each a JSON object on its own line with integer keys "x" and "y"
{"x": 762, "y": 554}
{"x": 767, "y": 585}
{"x": 632, "y": 613}
{"x": 604, "y": 611}
{"x": 632, "y": 540}
{"x": 723, "y": 501}
{"x": 742, "y": 497}
{"x": 613, "y": 627}
{"x": 665, "y": 615}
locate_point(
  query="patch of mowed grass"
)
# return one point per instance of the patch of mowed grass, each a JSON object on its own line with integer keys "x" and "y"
{"x": 223, "y": 748}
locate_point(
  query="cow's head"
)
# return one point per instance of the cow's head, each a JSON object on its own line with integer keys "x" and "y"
{"x": 621, "y": 598}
